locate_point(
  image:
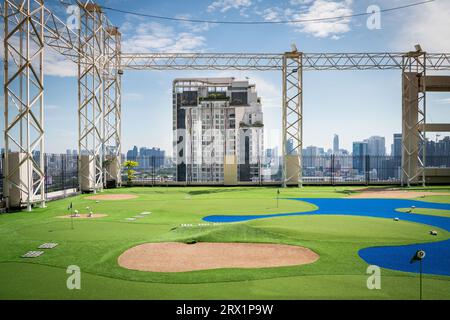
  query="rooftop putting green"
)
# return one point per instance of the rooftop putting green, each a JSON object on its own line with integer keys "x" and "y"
{"x": 392, "y": 257}
{"x": 95, "y": 245}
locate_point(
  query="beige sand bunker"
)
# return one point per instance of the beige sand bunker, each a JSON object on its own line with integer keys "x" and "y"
{"x": 112, "y": 197}
{"x": 394, "y": 194}
{"x": 181, "y": 257}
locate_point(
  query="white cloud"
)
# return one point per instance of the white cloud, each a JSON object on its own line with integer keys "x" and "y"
{"x": 300, "y": 2}
{"x": 225, "y": 5}
{"x": 270, "y": 93}
{"x": 154, "y": 36}
{"x": 313, "y": 10}
{"x": 324, "y": 9}
{"x": 58, "y": 65}
{"x": 272, "y": 14}
{"x": 193, "y": 26}
{"x": 427, "y": 25}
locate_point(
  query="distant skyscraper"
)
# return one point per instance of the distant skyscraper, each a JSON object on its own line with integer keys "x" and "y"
{"x": 397, "y": 146}
{"x": 359, "y": 155}
{"x": 336, "y": 144}
{"x": 310, "y": 155}
{"x": 376, "y": 146}
{"x": 321, "y": 151}
{"x": 438, "y": 152}
{"x": 133, "y": 154}
{"x": 150, "y": 158}
{"x": 290, "y": 146}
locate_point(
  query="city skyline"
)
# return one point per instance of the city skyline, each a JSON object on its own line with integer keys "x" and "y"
{"x": 394, "y": 150}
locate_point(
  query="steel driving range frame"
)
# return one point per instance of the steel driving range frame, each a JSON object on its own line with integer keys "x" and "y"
{"x": 95, "y": 47}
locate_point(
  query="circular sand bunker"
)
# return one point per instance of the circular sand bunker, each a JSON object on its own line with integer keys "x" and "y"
{"x": 180, "y": 257}
{"x": 112, "y": 197}
{"x": 394, "y": 194}
{"x": 84, "y": 216}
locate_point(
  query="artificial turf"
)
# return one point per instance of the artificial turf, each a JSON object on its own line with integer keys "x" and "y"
{"x": 431, "y": 212}
{"x": 94, "y": 246}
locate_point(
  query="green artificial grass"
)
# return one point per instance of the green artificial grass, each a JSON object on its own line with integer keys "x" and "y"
{"x": 430, "y": 212}
{"x": 94, "y": 245}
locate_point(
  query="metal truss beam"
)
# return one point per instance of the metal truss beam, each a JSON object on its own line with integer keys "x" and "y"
{"x": 414, "y": 118}
{"x": 369, "y": 61}
{"x": 57, "y": 34}
{"x": 24, "y": 177}
{"x": 63, "y": 39}
{"x": 274, "y": 62}
{"x": 292, "y": 120}
{"x": 202, "y": 61}
{"x": 90, "y": 97}
{"x": 60, "y": 37}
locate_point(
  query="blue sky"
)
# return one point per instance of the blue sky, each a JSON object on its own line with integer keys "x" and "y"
{"x": 354, "y": 105}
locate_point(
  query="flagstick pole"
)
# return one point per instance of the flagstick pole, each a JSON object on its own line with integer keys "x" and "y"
{"x": 278, "y": 196}
{"x": 420, "y": 279}
{"x": 71, "y": 215}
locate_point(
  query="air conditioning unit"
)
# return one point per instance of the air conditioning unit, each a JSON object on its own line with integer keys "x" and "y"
{"x": 113, "y": 172}
{"x": 19, "y": 179}
{"x": 87, "y": 173}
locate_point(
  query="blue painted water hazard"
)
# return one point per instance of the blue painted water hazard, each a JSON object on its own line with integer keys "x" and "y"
{"x": 437, "y": 261}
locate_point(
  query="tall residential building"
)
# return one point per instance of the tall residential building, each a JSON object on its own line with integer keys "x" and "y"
{"x": 336, "y": 144}
{"x": 376, "y": 146}
{"x": 150, "y": 158}
{"x": 217, "y": 121}
{"x": 310, "y": 156}
{"x": 133, "y": 154}
{"x": 437, "y": 152}
{"x": 397, "y": 146}
{"x": 147, "y": 158}
{"x": 359, "y": 156}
